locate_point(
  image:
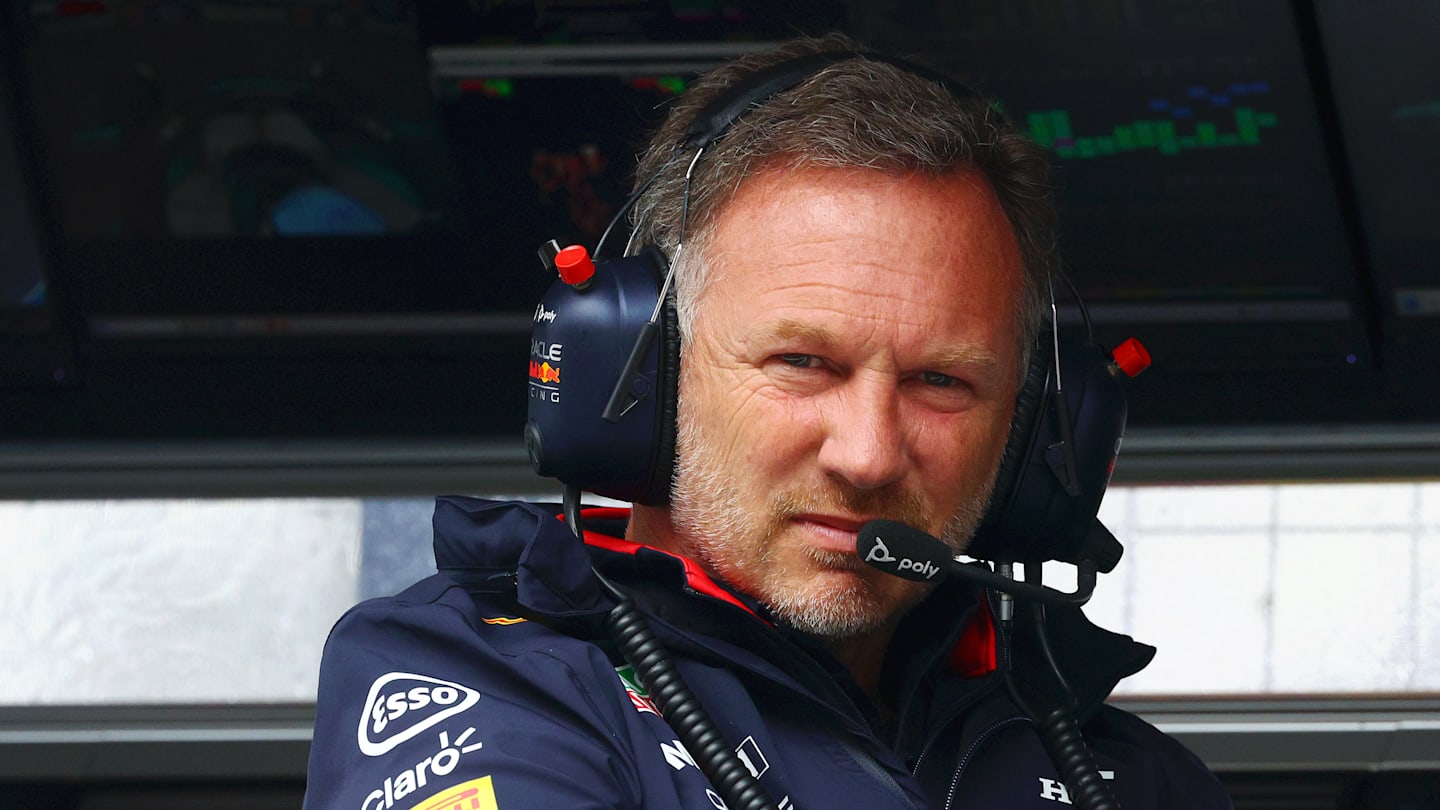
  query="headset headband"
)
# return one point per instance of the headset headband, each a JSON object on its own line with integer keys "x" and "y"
{"x": 594, "y": 339}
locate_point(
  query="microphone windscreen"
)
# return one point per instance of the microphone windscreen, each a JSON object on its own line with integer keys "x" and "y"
{"x": 902, "y": 550}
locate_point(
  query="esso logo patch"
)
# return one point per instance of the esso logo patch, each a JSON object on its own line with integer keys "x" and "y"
{"x": 403, "y": 704}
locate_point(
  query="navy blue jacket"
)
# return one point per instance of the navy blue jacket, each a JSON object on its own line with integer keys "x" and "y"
{"x": 494, "y": 684}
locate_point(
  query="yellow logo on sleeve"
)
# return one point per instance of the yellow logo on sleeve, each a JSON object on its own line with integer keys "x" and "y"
{"x": 477, "y": 794}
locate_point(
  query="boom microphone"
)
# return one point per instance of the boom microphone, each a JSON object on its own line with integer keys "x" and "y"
{"x": 904, "y": 551}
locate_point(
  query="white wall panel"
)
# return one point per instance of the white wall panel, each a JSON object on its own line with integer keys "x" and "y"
{"x": 155, "y": 601}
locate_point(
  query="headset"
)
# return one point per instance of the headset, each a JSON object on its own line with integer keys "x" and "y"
{"x": 605, "y": 357}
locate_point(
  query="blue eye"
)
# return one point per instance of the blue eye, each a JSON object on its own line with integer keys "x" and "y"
{"x": 937, "y": 379}
{"x": 798, "y": 360}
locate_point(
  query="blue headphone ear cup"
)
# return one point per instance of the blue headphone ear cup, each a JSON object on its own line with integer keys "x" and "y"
{"x": 1032, "y": 517}
{"x": 580, "y": 343}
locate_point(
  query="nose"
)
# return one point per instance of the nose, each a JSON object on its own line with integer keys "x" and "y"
{"x": 864, "y": 440}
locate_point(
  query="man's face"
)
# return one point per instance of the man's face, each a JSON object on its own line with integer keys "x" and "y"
{"x": 854, "y": 356}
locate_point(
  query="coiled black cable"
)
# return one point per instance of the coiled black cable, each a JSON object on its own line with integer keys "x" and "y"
{"x": 682, "y": 710}
{"x": 662, "y": 680}
{"x": 1061, "y": 736}
{"x": 1059, "y": 731}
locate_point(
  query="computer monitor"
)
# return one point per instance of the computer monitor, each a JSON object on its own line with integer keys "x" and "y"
{"x": 35, "y": 345}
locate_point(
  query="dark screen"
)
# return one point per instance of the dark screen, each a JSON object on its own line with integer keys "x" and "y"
{"x": 22, "y": 269}
{"x": 255, "y": 180}
{"x": 35, "y": 341}
{"x": 1386, "y": 74}
{"x": 219, "y": 168}
{"x": 1198, "y": 200}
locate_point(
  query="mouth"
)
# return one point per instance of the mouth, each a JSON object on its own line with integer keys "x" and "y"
{"x": 831, "y": 533}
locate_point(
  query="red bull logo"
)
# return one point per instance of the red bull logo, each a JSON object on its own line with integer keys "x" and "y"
{"x": 544, "y": 373}
{"x": 545, "y": 370}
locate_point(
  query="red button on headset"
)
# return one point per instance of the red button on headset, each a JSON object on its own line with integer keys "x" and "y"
{"x": 1131, "y": 356}
{"x": 575, "y": 266}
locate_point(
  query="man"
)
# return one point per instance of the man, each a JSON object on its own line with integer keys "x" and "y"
{"x": 858, "y": 293}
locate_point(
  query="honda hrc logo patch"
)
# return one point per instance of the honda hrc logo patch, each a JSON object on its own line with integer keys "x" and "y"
{"x": 403, "y": 704}
{"x": 1054, "y": 790}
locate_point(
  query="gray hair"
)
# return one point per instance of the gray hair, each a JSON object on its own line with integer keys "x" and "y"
{"x": 855, "y": 113}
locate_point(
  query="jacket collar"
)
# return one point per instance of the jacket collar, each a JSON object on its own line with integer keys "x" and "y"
{"x": 493, "y": 545}
{"x": 496, "y": 546}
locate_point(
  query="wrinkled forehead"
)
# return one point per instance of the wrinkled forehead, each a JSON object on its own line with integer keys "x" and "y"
{"x": 887, "y": 246}
{"x": 950, "y": 227}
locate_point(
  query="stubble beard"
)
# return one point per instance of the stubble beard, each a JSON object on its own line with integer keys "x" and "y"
{"x": 732, "y": 536}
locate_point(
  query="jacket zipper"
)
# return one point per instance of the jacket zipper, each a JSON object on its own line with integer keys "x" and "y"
{"x": 878, "y": 772}
{"x": 955, "y": 711}
{"x": 970, "y": 753}
{"x": 1002, "y": 665}
{"x": 866, "y": 762}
